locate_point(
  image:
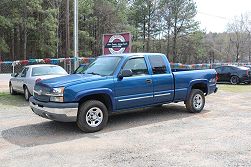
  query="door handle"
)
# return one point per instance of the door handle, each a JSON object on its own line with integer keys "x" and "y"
{"x": 149, "y": 81}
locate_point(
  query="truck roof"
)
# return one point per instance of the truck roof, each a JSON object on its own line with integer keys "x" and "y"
{"x": 133, "y": 54}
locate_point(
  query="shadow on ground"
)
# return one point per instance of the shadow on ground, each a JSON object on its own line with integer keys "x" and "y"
{"x": 55, "y": 132}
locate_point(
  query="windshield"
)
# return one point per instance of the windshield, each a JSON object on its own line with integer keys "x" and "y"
{"x": 102, "y": 66}
{"x": 48, "y": 70}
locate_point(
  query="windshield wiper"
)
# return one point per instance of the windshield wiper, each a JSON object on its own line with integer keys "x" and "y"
{"x": 93, "y": 73}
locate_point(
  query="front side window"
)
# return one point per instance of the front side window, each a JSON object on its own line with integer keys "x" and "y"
{"x": 24, "y": 72}
{"x": 137, "y": 66}
{"x": 226, "y": 69}
{"x": 158, "y": 64}
{"x": 218, "y": 70}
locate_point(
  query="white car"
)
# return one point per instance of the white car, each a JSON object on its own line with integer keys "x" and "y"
{"x": 25, "y": 81}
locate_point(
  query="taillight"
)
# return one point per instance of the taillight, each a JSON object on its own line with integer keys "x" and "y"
{"x": 216, "y": 77}
{"x": 37, "y": 80}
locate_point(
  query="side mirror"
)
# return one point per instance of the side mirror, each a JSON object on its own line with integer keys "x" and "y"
{"x": 125, "y": 73}
{"x": 14, "y": 74}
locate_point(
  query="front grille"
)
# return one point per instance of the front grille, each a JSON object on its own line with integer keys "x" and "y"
{"x": 42, "y": 91}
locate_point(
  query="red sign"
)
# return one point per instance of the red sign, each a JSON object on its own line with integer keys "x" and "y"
{"x": 117, "y": 43}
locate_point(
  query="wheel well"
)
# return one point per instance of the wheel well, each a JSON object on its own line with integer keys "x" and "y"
{"x": 104, "y": 98}
{"x": 201, "y": 86}
{"x": 234, "y": 75}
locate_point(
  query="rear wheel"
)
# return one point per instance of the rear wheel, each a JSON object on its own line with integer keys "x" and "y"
{"x": 196, "y": 101}
{"x": 12, "y": 92}
{"x": 92, "y": 116}
{"x": 234, "y": 80}
{"x": 27, "y": 94}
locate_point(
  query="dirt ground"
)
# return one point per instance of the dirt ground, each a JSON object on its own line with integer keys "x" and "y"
{"x": 161, "y": 136}
{"x": 4, "y": 82}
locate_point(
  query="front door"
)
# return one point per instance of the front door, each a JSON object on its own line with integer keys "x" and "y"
{"x": 137, "y": 90}
{"x": 19, "y": 80}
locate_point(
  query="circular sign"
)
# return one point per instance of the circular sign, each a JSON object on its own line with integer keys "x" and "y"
{"x": 116, "y": 38}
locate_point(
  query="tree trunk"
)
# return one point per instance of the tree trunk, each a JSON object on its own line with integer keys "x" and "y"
{"x": 144, "y": 33}
{"x": 67, "y": 29}
{"x": 148, "y": 27}
{"x": 13, "y": 44}
{"x": 25, "y": 43}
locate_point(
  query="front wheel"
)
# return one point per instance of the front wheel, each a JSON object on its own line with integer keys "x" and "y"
{"x": 234, "y": 80}
{"x": 196, "y": 101}
{"x": 27, "y": 94}
{"x": 12, "y": 92}
{"x": 92, "y": 116}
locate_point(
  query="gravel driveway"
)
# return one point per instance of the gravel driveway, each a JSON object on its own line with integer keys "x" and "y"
{"x": 163, "y": 136}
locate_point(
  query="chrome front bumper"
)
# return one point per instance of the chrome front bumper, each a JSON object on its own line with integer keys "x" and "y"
{"x": 63, "y": 112}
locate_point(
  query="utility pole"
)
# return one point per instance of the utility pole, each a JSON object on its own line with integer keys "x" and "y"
{"x": 76, "y": 34}
{"x": 67, "y": 28}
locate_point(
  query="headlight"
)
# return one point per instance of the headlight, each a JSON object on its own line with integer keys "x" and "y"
{"x": 58, "y": 91}
{"x": 57, "y": 94}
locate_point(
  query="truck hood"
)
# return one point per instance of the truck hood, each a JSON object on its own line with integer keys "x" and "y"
{"x": 68, "y": 80}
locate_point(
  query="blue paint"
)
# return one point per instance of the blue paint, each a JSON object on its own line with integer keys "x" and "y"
{"x": 135, "y": 91}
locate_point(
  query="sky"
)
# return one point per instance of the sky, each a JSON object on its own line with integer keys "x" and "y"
{"x": 215, "y": 14}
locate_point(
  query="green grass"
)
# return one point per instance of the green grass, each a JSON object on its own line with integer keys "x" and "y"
{"x": 12, "y": 100}
{"x": 234, "y": 88}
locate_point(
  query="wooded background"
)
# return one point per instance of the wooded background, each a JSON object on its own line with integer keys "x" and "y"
{"x": 44, "y": 28}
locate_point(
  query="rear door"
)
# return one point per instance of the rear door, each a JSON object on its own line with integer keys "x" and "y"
{"x": 137, "y": 90}
{"x": 163, "y": 82}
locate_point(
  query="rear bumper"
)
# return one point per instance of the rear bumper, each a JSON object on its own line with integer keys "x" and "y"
{"x": 63, "y": 112}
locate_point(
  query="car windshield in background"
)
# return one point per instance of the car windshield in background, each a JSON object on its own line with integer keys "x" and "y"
{"x": 48, "y": 70}
{"x": 81, "y": 69}
{"x": 102, "y": 66}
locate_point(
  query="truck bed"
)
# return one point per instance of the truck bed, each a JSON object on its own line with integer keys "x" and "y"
{"x": 184, "y": 78}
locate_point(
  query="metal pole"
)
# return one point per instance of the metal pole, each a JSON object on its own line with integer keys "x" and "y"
{"x": 75, "y": 34}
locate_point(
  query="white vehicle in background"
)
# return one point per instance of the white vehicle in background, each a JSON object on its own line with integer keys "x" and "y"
{"x": 24, "y": 81}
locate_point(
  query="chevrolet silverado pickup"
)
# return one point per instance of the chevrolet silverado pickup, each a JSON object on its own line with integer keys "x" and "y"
{"x": 116, "y": 83}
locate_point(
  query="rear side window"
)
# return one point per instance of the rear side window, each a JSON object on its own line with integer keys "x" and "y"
{"x": 158, "y": 64}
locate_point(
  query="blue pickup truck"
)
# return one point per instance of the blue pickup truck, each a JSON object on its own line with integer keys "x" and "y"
{"x": 115, "y": 83}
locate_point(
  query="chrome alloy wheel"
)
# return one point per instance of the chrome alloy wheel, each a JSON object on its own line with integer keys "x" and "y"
{"x": 94, "y": 117}
{"x": 197, "y": 101}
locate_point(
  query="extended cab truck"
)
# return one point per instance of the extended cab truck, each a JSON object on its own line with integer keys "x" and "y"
{"x": 114, "y": 83}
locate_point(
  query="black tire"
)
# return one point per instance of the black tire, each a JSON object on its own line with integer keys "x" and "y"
{"x": 196, "y": 101}
{"x": 27, "y": 94}
{"x": 11, "y": 90}
{"x": 234, "y": 80}
{"x": 91, "y": 112}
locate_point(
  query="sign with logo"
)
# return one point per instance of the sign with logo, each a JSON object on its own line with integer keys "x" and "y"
{"x": 116, "y": 43}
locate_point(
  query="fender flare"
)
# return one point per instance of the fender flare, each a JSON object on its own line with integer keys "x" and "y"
{"x": 197, "y": 81}
{"x": 106, "y": 91}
